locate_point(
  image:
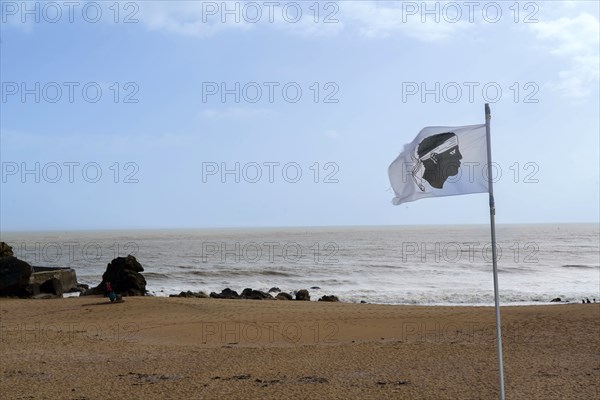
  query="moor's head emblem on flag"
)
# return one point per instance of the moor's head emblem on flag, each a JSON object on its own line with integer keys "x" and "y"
{"x": 437, "y": 157}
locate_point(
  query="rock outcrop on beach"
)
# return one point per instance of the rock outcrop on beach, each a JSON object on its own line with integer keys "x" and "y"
{"x": 331, "y": 298}
{"x": 14, "y": 273}
{"x": 14, "y": 276}
{"x": 247, "y": 293}
{"x": 251, "y": 294}
{"x": 53, "y": 281}
{"x": 190, "y": 294}
{"x": 5, "y": 250}
{"x": 284, "y": 296}
{"x": 18, "y": 278}
{"x": 302, "y": 295}
{"x": 225, "y": 294}
{"x": 52, "y": 286}
{"x": 255, "y": 295}
{"x": 124, "y": 276}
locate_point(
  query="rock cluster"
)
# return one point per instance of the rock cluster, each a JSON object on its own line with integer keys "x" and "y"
{"x": 18, "y": 278}
{"x": 303, "y": 295}
{"x": 284, "y": 296}
{"x": 329, "y": 298}
{"x": 14, "y": 274}
{"x": 246, "y": 294}
{"x": 189, "y": 293}
{"x": 124, "y": 276}
{"x": 5, "y": 250}
{"x": 252, "y": 294}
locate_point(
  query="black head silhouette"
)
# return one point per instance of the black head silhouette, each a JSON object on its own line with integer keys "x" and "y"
{"x": 438, "y": 157}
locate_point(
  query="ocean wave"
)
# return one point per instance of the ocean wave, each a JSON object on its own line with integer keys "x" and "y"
{"x": 238, "y": 273}
{"x": 156, "y": 275}
{"x": 580, "y": 266}
{"x": 515, "y": 269}
{"x": 385, "y": 266}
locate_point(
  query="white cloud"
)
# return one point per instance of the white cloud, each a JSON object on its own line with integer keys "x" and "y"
{"x": 187, "y": 18}
{"x": 569, "y": 3}
{"x": 576, "y": 40}
{"x": 369, "y": 19}
{"x": 207, "y": 18}
{"x": 385, "y": 19}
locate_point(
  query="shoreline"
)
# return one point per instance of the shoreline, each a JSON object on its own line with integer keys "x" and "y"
{"x": 210, "y": 348}
{"x": 507, "y": 304}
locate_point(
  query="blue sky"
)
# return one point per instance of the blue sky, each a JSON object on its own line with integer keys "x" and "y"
{"x": 148, "y": 149}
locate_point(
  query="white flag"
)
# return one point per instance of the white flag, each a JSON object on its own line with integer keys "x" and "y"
{"x": 441, "y": 161}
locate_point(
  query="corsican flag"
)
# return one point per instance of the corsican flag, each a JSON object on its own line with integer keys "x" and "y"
{"x": 441, "y": 161}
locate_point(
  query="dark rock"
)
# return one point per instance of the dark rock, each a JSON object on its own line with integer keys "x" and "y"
{"x": 33, "y": 289}
{"x": 190, "y": 294}
{"x": 14, "y": 276}
{"x": 556, "y": 300}
{"x": 124, "y": 276}
{"x": 331, "y": 298}
{"x": 315, "y": 287}
{"x": 5, "y": 250}
{"x": 284, "y": 296}
{"x": 274, "y": 290}
{"x": 363, "y": 302}
{"x": 255, "y": 294}
{"x": 302, "y": 295}
{"x": 81, "y": 288}
{"x": 259, "y": 294}
{"x": 226, "y": 294}
{"x": 52, "y": 286}
{"x": 229, "y": 293}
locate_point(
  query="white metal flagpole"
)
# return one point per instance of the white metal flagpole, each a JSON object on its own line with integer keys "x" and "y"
{"x": 488, "y": 117}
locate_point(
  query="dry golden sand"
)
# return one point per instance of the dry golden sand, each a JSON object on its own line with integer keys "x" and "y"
{"x": 162, "y": 348}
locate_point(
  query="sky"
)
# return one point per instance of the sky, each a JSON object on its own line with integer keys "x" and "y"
{"x": 189, "y": 114}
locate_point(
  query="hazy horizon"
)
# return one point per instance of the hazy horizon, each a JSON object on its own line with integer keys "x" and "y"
{"x": 297, "y": 227}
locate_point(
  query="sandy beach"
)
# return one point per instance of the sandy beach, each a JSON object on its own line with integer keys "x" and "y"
{"x": 149, "y": 347}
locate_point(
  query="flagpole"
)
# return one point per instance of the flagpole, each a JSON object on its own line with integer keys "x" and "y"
{"x": 488, "y": 117}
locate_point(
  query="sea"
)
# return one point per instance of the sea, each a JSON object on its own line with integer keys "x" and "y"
{"x": 417, "y": 265}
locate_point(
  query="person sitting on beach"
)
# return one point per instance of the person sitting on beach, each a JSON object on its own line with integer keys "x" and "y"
{"x": 109, "y": 291}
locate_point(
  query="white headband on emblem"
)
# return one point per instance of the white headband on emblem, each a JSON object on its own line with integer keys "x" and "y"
{"x": 430, "y": 155}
